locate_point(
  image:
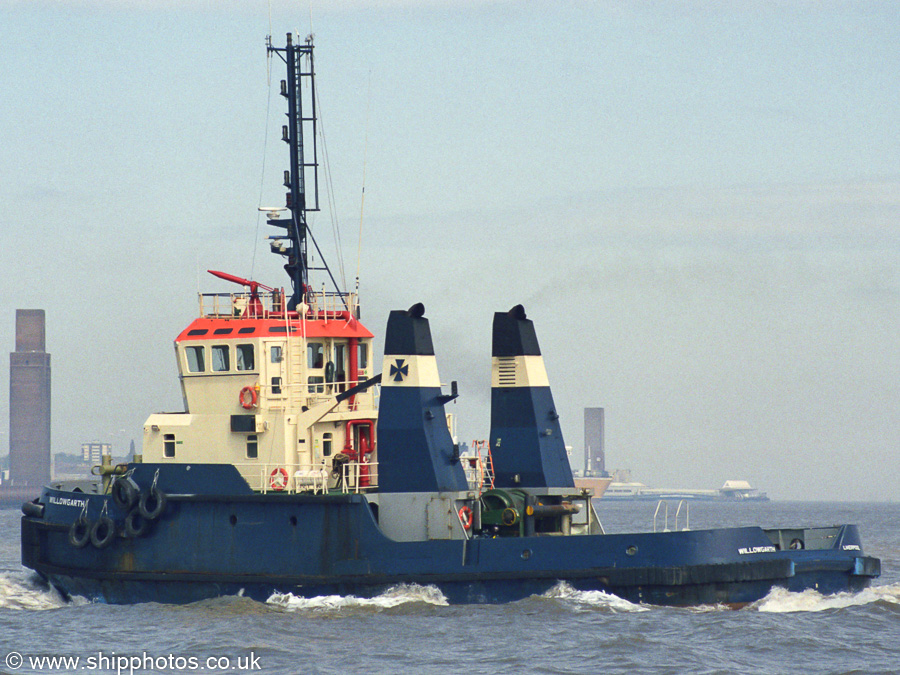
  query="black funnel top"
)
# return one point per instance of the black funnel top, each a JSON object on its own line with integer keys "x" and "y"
{"x": 408, "y": 333}
{"x": 514, "y": 334}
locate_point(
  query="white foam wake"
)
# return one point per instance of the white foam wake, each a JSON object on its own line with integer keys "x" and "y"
{"x": 592, "y": 599}
{"x": 781, "y": 600}
{"x": 17, "y": 591}
{"x": 392, "y": 597}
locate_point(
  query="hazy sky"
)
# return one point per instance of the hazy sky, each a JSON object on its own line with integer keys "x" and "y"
{"x": 697, "y": 202}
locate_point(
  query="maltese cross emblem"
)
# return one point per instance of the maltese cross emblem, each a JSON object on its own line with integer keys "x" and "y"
{"x": 399, "y": 370}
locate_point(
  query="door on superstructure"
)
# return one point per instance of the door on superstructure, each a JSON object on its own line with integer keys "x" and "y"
{"x": 340, "y": 366}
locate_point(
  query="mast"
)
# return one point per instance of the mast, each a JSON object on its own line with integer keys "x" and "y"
{"x": 302, "y": 178}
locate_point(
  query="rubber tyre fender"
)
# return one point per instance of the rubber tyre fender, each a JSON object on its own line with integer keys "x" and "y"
{"x": 152, "y": 503}
{"x": 103, "y": 532}
{"x": 136, "y": 525}
{"x": 125, "y": 493}
{"x": 80, "y": 532}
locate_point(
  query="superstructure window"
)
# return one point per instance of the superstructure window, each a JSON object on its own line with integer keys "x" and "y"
{"x": 220, "y": 358}
{"x": 195, "y": 359}
{"x": 252, "y": 447}
{"x": 326, "y": 445}
{"x": 316, "y": 384}
{"x": 244, "y": 357}
{"x": 168, "y": 445}
{"x": 275, "y": 354}
{"x": 276, "y": 385}
{"x": 315, "y": 355}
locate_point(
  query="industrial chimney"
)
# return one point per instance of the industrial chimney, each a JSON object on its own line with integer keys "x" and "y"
{"x": 29, "y": 403}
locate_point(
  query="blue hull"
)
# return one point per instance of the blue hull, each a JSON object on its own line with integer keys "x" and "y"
{"x": 122, "y": 590}
{"x": 207, "y": 545}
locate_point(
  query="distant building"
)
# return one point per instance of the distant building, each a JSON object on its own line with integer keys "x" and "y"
{"x": 594, "y": 452}
{"x": 29, "y": 403}
{"x": 92, "y": 452}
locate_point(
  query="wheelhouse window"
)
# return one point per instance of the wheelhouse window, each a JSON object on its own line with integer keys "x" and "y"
{"x": 252, "y": 447}
{"x": 363, "y": 361}
{"x": 244, "y": 357}
{"x": 220, "y": 358}
{"x": 194, "y": 356}
{"x": 168, "y": 445}
{"x": 315, "y": 355}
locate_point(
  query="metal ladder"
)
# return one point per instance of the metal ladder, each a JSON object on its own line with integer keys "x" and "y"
{"x": 486, "y": 464}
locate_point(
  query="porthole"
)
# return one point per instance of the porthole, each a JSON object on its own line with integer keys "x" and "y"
{"x": 631, "y": 550}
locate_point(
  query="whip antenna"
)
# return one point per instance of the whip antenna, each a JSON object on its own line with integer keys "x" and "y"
{"x": 362, "y": 200}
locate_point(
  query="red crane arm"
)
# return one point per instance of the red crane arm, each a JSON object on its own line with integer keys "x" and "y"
{"x": 238, "y": 280}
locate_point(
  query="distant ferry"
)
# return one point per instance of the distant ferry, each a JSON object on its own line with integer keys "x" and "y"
{"x": 731, "y": 491}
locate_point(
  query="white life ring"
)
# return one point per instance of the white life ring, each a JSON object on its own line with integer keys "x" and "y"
{"x": 248, "y": 397}
{"x": 465, "y": 516}
{"x": 278, "y": 479}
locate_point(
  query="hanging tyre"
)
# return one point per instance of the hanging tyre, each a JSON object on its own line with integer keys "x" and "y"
{"x": 135, "y": 524}
{"x": 125, "y": 493}
{"x": 103, "y": 532}
{"x": 80, "y": 532}
{"x": 152, "y": 503}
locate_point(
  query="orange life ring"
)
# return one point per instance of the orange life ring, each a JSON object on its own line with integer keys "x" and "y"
{"x": 248, "y": 403}
{"x": 465, "y": 515}
{"x": 278, "y": 479}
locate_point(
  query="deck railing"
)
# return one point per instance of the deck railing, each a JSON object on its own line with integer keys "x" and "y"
{"x": 354, "y": 477}
{"x": 664, "y": 506}
{"x": 272, "y": 304}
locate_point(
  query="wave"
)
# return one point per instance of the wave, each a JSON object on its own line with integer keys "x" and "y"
{"x": 20, "y": 591}
{"x": 780, "y": 600}
{"x": 401, "y": 594}
{"x": 592, "y": 599}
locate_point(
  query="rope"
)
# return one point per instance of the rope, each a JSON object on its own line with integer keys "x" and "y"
{"x": 329, "y": 190}
{"x": 262, "y": 177}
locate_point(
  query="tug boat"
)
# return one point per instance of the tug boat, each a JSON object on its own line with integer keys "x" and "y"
{"x": 296, "y": 468}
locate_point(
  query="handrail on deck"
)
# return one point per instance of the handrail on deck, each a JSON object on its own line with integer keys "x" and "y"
{"x": 687, "y": 515}
{"x": 659, "y": 504}
{"x": 272, "y": 304}
{"x": 268, "y": 477}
